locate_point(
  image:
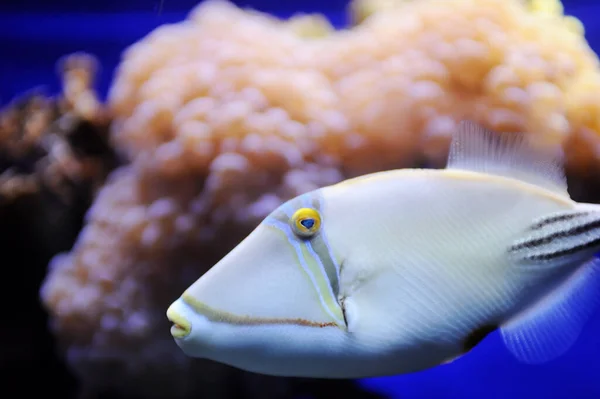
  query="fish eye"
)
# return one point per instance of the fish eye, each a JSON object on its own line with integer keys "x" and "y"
{"x": 306, "y": 222}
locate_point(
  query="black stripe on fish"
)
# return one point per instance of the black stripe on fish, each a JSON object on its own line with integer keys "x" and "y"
{"x": 560, "y": 225}
{"x": 566, "y": 251}
{"x": 574, "y": 231}
{"x": 559, "y": 235}
{"x": 562, "y": 217}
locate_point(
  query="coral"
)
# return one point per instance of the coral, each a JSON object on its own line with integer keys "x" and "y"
{"x": 78, "y": 72}
{"x": 363, "y": 9}
{"x": 55, "y": 150}
{"x": 55, "y": 142}
{"x": 227, "y": 114}
{"x": 507, "y": 66}
{"x": 52, "y": 159}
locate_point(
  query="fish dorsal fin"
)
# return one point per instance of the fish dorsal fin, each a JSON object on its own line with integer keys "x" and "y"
{"x": 478, "y": 149}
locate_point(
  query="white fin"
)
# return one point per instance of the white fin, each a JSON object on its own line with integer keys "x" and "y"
{"x": 550, "y": 327}
{"x": 478, "y": 149}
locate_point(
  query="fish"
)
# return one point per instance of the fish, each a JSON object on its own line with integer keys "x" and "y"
{"x": 404, "y": 270}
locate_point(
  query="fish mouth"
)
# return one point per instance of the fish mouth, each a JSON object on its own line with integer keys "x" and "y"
{"x": 181, "y": 327}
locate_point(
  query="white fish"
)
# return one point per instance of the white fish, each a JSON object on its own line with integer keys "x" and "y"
{"x": 400, "y": 271}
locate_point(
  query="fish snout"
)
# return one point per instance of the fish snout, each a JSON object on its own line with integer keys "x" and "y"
{"x": 181, "y": 326}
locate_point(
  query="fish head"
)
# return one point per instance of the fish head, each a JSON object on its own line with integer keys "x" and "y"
{"x": 271, "y": 305}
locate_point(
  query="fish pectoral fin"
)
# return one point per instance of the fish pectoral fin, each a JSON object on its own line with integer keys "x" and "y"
{"x": 549, "y": 328}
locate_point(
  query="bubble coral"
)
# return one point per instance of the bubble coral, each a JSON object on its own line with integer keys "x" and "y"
{"x": 227, "y": 114}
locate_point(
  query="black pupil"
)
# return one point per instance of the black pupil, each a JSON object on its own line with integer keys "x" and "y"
{"x": 308, "y": 223}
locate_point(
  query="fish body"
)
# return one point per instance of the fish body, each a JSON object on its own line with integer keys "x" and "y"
{"x": 398, "y": 271}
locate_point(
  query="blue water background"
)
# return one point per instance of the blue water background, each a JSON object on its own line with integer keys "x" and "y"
{"x": 35, "y": 33}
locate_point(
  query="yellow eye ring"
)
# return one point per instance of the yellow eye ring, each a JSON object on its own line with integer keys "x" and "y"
{"x": 306, "y": 222}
